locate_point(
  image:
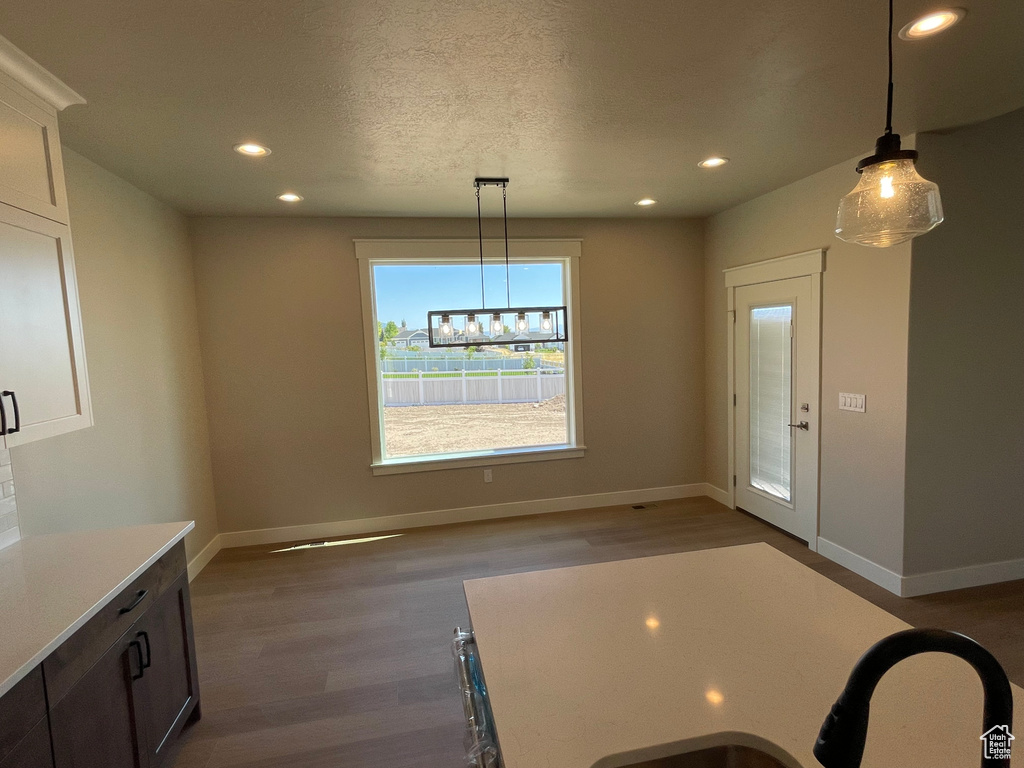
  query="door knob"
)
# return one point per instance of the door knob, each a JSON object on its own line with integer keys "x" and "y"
{"x": 802, "y": 425}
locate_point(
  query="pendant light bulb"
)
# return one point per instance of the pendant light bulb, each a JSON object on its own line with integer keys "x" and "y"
{"x": 472, "y": 326}
{"x": 522, "y": 324}
{"x": 446, "y": 326}
{"x": 892, "y": 203}
{"x": 545, "y": 321}
{"x": 497, "y": 327}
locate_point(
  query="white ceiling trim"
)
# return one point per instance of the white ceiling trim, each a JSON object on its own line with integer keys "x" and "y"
{"x": 26, "y": 71}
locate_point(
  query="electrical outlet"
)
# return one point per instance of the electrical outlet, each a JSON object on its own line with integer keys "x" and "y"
{"x": 488, "y": 475}
{"x": 851, "y": 402}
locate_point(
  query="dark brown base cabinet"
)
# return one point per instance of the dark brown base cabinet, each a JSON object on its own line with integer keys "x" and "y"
{"x": 121, "y": 689}
{"x": 24, "y": 731}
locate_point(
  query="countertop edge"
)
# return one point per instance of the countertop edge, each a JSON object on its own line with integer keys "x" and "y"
{"x": 17, "y": 676}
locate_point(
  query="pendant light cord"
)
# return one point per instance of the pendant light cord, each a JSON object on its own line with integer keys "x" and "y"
{"x": 508, "y": 282}
{"x": 480, "y": 233}
{"x": 888, "y": 108}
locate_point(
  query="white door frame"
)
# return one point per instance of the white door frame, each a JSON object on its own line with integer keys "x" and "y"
{"x": 807, "y": 264}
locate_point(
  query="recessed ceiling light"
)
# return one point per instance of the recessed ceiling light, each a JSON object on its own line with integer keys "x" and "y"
{"x": 932, "y": 23}
{"x": 713, "y": 162}
{"x": 644, "y": 202}
{"x": 289, "y": 197}
{"x": 252, "y": 150}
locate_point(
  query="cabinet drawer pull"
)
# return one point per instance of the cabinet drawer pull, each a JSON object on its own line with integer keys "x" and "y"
{"x": 17, "y": 414}
{"x": 138, "y": 649}
{"x": 149, "y": 651}
{"x": 139, "y": 597}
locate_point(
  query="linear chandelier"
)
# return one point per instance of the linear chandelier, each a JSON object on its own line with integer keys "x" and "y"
{"x": 496, "y": 326}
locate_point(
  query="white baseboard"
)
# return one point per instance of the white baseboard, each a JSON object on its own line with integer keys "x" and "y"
{"x": 871, "y": 571}
{"x": 919, "y": 584}
{"x": 962, "y": 578}
{"x": 197, "y": 563}
{"x": 905, "y": 586}
{"x": 10, "y": 536}
{"x": 459, "y": 515}
{"x": 716, "y": 493}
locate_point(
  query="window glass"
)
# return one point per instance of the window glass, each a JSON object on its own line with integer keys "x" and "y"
{"x": 771, "y": 395}
{"x": 442, "y": 402}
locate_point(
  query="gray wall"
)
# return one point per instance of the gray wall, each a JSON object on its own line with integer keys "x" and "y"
{"x": 281, "y": 333}
{"x": 965, "y": 412}
{"x": 865, "y": 294}
{"x": 147, "y": 459}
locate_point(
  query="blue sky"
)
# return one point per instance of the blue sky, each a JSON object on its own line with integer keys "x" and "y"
{"x": 410, "y": 291}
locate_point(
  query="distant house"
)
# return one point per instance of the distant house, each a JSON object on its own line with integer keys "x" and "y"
{"x": 419, "y": 337}
{"x": 414, "y": 337}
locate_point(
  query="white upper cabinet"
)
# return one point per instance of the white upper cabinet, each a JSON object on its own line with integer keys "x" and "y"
{"x": 44, "y": 388}
{"x": 31, "y": 171}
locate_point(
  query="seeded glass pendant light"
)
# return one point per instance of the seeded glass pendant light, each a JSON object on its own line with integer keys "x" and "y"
{"x": 892, "y": 203}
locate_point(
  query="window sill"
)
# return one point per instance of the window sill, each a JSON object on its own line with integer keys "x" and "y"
{"x": 509, "y": 456}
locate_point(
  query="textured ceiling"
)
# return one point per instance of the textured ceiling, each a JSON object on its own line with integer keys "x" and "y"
{"x": 391, "y": 108}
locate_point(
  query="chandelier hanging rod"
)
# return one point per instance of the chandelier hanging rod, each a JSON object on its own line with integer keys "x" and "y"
{"x": 493, "y": 181}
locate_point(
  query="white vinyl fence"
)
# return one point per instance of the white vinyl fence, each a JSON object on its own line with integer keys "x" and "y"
{"x": 469, "y": 388}
{"x": 452, "y": 363}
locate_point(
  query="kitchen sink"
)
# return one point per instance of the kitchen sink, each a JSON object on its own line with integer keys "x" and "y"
{"x": 725, "y": 756}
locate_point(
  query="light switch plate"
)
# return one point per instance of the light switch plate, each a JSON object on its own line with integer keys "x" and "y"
{"x": 488, "y": 475}
{"x": 851, "y": 402}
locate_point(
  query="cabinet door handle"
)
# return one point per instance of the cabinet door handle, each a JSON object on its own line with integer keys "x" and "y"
{"x": 139, "y": 597}
{"x": 17, "y": 415}
{"x": 3, "y": 418}
{"x": 138, "y": 649}
{"x": 149, "y": 651}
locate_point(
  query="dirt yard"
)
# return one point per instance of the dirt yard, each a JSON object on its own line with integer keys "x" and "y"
{"x": 419, "y": 429}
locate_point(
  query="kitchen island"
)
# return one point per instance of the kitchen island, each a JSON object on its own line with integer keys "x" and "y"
{"x": 613, "y": 663}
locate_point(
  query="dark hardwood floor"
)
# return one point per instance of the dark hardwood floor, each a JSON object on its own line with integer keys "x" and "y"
{"x": 340, "y": 656}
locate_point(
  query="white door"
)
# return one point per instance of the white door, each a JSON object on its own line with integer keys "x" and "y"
{"x": 776, "y": 376}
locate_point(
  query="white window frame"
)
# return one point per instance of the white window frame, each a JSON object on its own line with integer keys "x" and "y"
{"x": 445, "y": 251}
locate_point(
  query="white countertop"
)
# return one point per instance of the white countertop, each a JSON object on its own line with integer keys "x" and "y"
{"x": 733, "y": 645}
{"x": 51, "y": 585}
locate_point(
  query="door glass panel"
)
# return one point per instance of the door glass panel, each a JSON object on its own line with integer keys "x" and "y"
{"x": 771, "y": 397}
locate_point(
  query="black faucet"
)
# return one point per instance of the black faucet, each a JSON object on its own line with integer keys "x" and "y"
{"x": 840, "y": 742}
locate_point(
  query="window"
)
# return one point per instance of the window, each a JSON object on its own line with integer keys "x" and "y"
{"x": 771, "y": 394}
{"x": 435, "y": 408}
